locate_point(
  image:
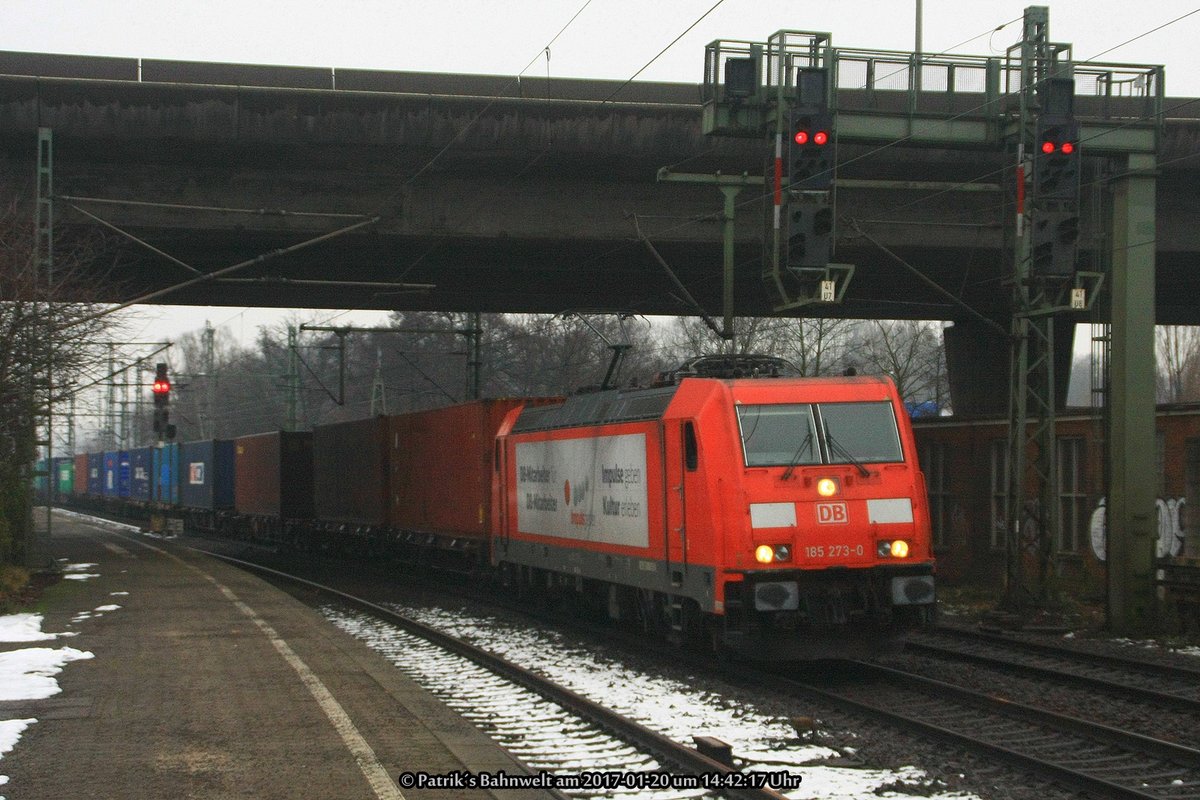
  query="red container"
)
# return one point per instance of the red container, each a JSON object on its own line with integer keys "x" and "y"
{"x": 273, "y": 475}
{"x": 441, "y": 463}
{"x": 80, "y": 486}
{"x": 351, "y": 471}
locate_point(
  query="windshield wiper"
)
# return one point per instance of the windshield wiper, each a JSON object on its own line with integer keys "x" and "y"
{"x": 805, "y": 445}
{"x": 836, "y": 446}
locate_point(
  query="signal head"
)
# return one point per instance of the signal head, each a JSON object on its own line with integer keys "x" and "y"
{"x": 162, "y": 385}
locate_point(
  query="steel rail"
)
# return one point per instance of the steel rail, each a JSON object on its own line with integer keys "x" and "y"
{"x": 1044, "y": 648}
{"x": 1170, "y": 700}
{"x": 1017, "y": 748}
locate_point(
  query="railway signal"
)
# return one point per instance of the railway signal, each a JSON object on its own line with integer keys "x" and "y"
{"x": 162, "y": 399}
{"x": 810, "y": 150}
{"x": 1056, "y": 167}
{"x": 1055, "y": 235}
{"x": 810, "y": 159}
{"x": 809, "y": 232}
{"x": 1056, "y": 161}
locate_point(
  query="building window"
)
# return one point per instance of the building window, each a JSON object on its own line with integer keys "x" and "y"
{"x": 999, "y": 468}
{"x": 1072, "y": 495}
{"x": 933, "y": 464}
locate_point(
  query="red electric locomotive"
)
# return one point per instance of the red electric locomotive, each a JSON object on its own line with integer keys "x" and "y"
{"x": 780, "y": 518}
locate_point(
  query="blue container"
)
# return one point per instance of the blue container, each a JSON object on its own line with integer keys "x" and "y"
{"x": 111, "y": 474}
{"x": 206, "y": 474}
{"x": 165, "y": 490}
{"x": 116, "y": 473}
{"x": 141, "y": 468}
{"x": 123, "y": 474}
{"x": 95, "y": 474}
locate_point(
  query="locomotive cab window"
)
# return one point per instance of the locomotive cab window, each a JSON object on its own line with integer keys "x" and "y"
{"x": 832, "y": 433}
{"x": 778, "y": 435}
{"x": 864, "y": 432}
{"x": 691, "y": 455}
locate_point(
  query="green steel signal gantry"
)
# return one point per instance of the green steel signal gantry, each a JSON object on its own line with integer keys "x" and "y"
{"x": 891, "y": 99}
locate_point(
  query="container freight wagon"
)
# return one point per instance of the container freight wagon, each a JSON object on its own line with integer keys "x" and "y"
{"x": 273, "y": 481}
{"x": 351, "y": 471}
{"x": 95, "y": 474}
{"x": 79, "y": 486}
{"x": 63, "y": 476}
{"x": 781, "y": 518}
{"x": 164, "y": 489}
{"x": 116, "y": 473}
{"x": 441, "y": 479}
{"x": 206, "y": 475}
{"x": 141, "y": 470}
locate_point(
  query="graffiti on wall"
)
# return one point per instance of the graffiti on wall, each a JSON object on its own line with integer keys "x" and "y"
{"x": 1171, "y": 528}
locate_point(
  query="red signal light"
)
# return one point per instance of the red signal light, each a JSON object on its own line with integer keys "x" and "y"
{"x": 821, "y": 137}
{"x": 1068, "y": 148}
{"x": 801, "y": 137}
{"x": 161, "y": 387}
{"x": 1047, "y": 147}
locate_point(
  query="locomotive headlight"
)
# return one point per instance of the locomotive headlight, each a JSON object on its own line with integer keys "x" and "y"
{"x": 827, "y": 487}
{"x": 770, "y": 553}
{"x": 899, "y": 549}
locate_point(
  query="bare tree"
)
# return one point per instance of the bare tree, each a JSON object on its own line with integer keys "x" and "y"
{"x": 48, "y": 345}
{"x": 911, "y": 352}
{"x": 1177, "y": 349}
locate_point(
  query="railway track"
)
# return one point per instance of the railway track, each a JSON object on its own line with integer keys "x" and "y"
{"x": 681, "y": 768}
{"x": 1098, "y": 760}
{"x": 1088, "y": 757}
{"x": 1169, "y": 686}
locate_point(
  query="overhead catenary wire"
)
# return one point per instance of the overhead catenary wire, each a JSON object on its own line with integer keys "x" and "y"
{"x": 660, "y": 53}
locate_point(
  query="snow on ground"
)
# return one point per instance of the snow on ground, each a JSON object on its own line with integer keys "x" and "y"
{"x": 78, "y": 572}
{"x": 29, "y": 673}
{"x": 26, "y": 628}
{"x": 96, "y": 522}
{"x": 669, "y": 705}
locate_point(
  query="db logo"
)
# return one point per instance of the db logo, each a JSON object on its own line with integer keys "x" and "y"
{"x": 832, "y": 514}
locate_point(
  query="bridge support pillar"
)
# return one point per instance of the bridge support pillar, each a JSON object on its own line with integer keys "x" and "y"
{"x": 1132, "y": 522}
{"x": 977, "y": 360}
{"x": 977, "y": 368}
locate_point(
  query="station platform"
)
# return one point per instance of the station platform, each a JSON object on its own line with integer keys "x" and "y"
{"x": 207, "y": 682}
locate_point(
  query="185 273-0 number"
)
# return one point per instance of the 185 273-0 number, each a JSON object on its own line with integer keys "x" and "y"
{"x": 833, "y": 550}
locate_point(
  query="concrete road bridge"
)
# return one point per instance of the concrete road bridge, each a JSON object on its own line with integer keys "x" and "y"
{"x": 505, "y": 194}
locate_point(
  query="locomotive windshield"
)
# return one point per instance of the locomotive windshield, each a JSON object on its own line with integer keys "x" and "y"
{"x": 818, "y": 433}
{"x": 778, "y": 434}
